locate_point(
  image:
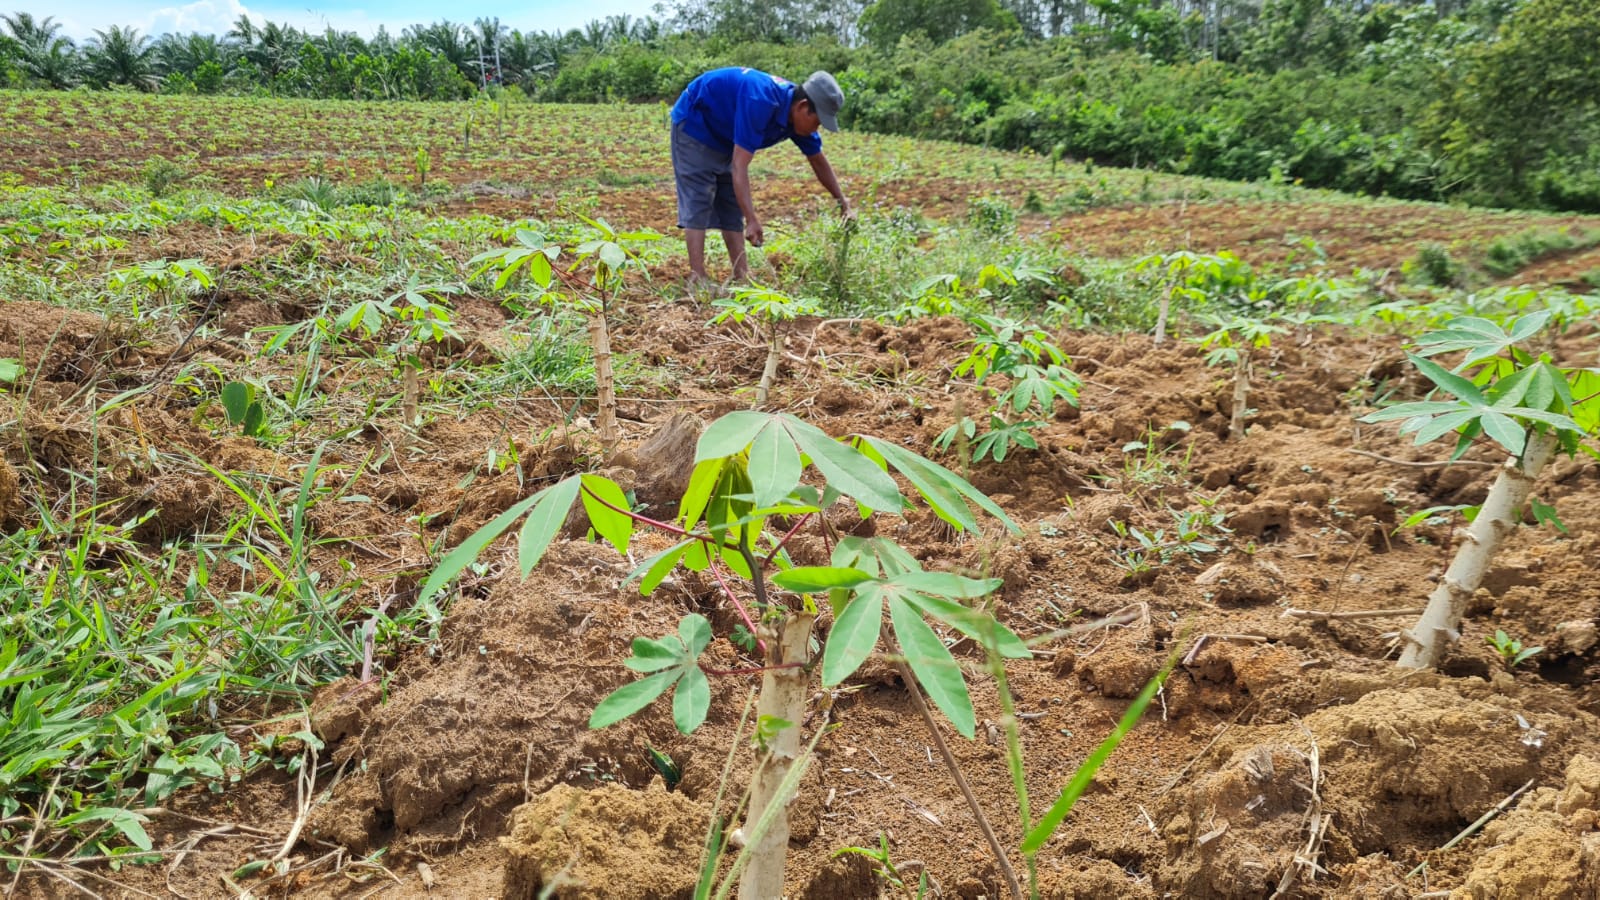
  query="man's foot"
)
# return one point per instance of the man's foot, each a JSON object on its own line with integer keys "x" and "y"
{"x": 698, "y": 284}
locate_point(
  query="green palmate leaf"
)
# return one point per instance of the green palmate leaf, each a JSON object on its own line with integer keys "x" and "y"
{"x": 10, "y": 371}
{"x": 729, "y": 504}
{"x": 613, "y": 256}
{"x": 854, "y": 634}
{"x": 875, "y": 555}
{"x": 1443, "y": 423}
{"x": 730, "y": 434}
{"x": 654, "y": 570}
{"x": 691, "y": 701}
{"x": 542, "y": 524}
{"x": 695, "y": 632}
{"x": 466, "y": 552}
{"x": 1420, "y": 410}
{"x": 702, "y": 482}
{"x": 1545, "y": 514}
{"x": 846, "y": 469}
{"x": 980, "y": 626}
{"x": 946, "y": 584}
{"x": 935, "y": 668}
{"x": 632, "y": 697}
{"x": 812, "y": 579}
{"x": 604, "y": 501}
{"x": 735, "y": 560}
{"x": 939, "y": 487}
{"x": 1505, "y": 431}
{"x": 1040, "y": 833}
{"x": 774, "y": 465}
{"x": 1446, "y": 380}
{"x": 654, "y": 655}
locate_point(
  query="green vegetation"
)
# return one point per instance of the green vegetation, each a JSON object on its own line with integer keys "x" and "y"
{"x": 1405, "y": 100}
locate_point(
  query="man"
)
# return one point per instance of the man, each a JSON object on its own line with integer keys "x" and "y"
{"x": 718, "y": 124}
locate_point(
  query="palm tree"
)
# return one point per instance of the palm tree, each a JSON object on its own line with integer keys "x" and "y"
{"x": 121, "y": 55}
{"x": 451, "y": 41}
{"x": 41, "y": 53}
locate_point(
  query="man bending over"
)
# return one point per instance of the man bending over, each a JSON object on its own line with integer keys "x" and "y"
{"x": 718, "y": 124}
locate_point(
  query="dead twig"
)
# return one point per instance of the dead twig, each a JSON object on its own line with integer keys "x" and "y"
{"x": 1472, "y": 829}
{"x": 1203, "y": 751}
{"x": 1426, "y": 464}
{"x": 1200, "y": 642}
{"x": 1316, "y": 824}
{"x": 1316, "y": 615}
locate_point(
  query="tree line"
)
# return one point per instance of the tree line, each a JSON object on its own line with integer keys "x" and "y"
{"x": 1493, "y": 102}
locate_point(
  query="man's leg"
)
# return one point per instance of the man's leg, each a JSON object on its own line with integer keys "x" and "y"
{"x": 695, "y": 240}
{"x": 736, "y": 255}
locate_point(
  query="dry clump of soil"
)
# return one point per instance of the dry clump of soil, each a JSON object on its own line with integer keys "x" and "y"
{"x": 609, "y": 842}
{"x": 1548, "y": 848}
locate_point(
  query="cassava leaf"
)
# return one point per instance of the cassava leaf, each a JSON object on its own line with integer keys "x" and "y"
{"x": 935, "y": 668}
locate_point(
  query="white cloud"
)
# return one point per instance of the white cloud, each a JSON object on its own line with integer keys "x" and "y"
{"x": 206, "y": 16}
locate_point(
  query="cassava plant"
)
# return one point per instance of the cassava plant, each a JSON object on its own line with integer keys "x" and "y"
{"x": 610, "y": 254}
{"x": 772, "y": 312}
{"x": 749, "y": 493}
{"x": 1195, "y": 277}
{"x": 1524, "y": 403}
{"x": 416, "y": 314}
{"x": 1038, "y": 377}
{"x": 1230, "y": 343}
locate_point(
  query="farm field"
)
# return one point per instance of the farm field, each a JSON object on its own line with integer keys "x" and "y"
{"x": 262, "y": 381}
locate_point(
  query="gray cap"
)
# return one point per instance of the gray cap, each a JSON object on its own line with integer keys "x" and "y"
{"x": 826, "y": 98}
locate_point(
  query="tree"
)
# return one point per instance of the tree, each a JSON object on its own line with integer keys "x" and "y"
{"x": 41, "y": 53}
{"x": 886, "y": 21}
{"x": 1530, "y": 96}
{"x": 121, "y": 55}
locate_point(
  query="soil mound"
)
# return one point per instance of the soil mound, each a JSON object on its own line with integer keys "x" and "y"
{"x": 611, "y": 843}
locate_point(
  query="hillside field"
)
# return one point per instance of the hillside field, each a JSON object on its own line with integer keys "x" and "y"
{"x": 257, "y": 383}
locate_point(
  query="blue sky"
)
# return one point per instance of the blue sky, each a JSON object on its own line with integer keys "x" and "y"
{"x": 79, "y": 18}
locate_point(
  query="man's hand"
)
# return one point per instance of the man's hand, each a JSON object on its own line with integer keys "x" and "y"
{"x": 753, "y": 232}
{"x": 846, "y": 210}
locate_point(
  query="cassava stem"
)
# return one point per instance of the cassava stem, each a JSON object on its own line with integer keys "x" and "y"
{"x": 1440, "y": 624}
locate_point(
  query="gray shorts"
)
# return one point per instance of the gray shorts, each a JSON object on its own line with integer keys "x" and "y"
{"x": 705, "y": 185}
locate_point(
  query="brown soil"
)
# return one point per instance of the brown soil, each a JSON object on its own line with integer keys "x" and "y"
{"x": 1255, "y": 740}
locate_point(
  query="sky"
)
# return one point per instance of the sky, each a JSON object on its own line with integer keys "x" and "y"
{"x": 80, "y": 18}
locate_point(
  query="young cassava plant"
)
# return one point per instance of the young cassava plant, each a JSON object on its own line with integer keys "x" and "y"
{"x": 415, "y": 314}
{"x": 610, "y": 254}
{"x": 1038, "y": 374}
{"x": 758, "y": 480}
{"x": 1528, "y": 406}
{"x": 772, "y": 312}
{"x": 1230, "y": 343}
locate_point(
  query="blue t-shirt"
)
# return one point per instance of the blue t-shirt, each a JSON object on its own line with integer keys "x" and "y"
{"x": 741, "y": 107}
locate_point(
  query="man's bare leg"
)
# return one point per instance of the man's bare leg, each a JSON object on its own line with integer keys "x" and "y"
{"x": 695, "y": 240}
{"x": 736, "y": 254}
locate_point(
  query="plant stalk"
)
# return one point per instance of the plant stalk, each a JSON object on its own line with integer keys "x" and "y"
{"x": 783, "y": 696}
{"x": 1161, "y": 316}
{"x": 769, "y": 372}
{"x": 1241, "y": 396}
{"x": 604, "y": 380}
{"x": 910, "y": 679}
{"x": 1440, "y": 624}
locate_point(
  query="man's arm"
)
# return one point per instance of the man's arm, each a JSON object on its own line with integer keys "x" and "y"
{"x": 741, "y": 190}
{"x": 829, "y": 181}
